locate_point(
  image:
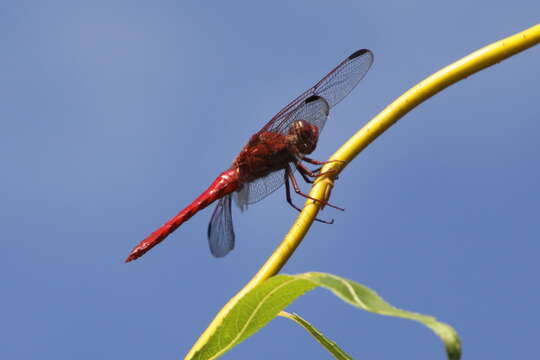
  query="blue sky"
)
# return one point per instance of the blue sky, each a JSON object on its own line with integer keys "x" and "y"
{"x": 116, "y": 114}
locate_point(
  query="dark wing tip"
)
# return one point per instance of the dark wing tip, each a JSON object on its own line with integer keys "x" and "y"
{"x": 360, "y": 52}
{"x": 312, "y": 98}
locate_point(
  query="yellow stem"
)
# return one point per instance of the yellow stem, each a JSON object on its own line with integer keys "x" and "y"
{"x": 443, "y": 78}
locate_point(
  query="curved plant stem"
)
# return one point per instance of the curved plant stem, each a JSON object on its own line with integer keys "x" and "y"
{"x": 470, "y": 64}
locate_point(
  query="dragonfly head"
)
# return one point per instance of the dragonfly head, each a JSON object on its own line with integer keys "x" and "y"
{"x": 303, "y": 136}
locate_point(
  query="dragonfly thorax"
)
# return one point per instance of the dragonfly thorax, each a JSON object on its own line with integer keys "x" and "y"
{"x": 303, "y": 136}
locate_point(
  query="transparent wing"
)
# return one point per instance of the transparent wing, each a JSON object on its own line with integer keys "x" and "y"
{"x": 313, "y": 110}
{"x": 259, "y": 189}
{"x": 220, "y": 229}
{"x": 337, "y": 84}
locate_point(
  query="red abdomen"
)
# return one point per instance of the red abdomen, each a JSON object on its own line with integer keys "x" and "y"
{"x": 225, "y": 183}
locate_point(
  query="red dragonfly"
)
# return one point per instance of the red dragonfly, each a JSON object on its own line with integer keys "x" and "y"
{"x": 269, "y": 158}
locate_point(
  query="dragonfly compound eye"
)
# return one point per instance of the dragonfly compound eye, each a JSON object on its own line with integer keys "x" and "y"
{"x": 304, "y": 136}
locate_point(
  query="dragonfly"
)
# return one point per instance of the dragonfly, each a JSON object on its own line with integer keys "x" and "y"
{"x": 270, "y": 158}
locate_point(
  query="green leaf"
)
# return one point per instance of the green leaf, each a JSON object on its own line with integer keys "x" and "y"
{"x": 252, "y": 312}
{"x": 328, "y": 344}
{"x": 363, "y": 297}
{"x": 266, "y": 300}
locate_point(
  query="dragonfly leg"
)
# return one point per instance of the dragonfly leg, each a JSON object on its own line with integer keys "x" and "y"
{"x": 299, "y": 192}
{"x": 306, "y": 173}
{"x": 316, "y": 162}
{"x": 312, "y": 161}
{"x": 289, "y": 200}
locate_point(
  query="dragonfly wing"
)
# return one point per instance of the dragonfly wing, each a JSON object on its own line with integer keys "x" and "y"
{"x": 258, "y": 189}
{"x": 220, "y": 229}
{"x": 344, "y": 78}
{"x": 313, "y": 110}
{"x": 337, "y": 84}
